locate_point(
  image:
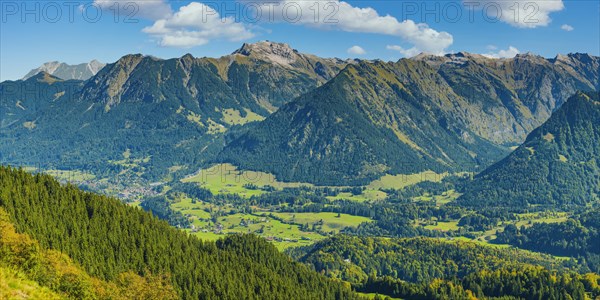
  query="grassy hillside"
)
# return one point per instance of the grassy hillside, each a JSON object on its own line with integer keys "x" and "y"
{"x": 16, "y": 285}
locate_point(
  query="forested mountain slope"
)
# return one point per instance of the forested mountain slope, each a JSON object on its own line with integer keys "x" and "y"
{"x": 577, "y": 237}
{"x": 20, "y": 99}
{"x": 27, "y": 271}
{"x": 556, "y": 166}
{"x": 107, "y": 238}
{"x": 428, "y": 113}
{"x": 425, "y": 268}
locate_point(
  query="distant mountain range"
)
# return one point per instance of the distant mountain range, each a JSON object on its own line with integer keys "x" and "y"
{"x": 64, "y": 71}
{"x": 304, "y": 118}
{"x": 170, "y": 113}
{"x": 456, "y": 112}
{"x": 557, "y": 165}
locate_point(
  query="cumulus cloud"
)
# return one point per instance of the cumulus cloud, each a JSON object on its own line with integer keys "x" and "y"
{"x": 518, "y": 13}
{"x": 356, "y": 50}
{"x": 567, "y": 27}
{"x": 196, "y": 24}
{"x": 405, "y": 52}
{"x": 147, "y": 9}
{"x": 508, "y": 53}
{"x": 340, "y": 15}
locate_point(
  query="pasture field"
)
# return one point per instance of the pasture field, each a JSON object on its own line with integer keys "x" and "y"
{"x": 198, "y": 209}
{"x": 227, "y": 179}
{"x": 281, "y": 234}
{"x": 401, "y": 181}
{"x": 480, "y": 242}
{"x": 487, "y": 244}
{"x": 234, "y": 117}
{"x": 443, "y": 226}
{"x": 331, "y": 222}
{"x": 444, "y": 198}
{"x": 530, "y": 218}
{"x": 525, "y": 220}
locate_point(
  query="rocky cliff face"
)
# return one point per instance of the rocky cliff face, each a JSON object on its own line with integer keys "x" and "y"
{"x": 513, "y": 96}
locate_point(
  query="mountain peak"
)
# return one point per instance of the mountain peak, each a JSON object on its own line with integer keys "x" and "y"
{"x": 264, "y": 47}
{"x": 44, "y": 76}
{"x": 130, "y": 61}
{"x": 280, "y": 53}
{"x": 528, "y": 55}
{"x": 130, "y": 57}
{"x": 425, "y": 56}
{"x": 188, "y": 56}
{"x": 65, "y": 71}
{"x": 455, "y": 58}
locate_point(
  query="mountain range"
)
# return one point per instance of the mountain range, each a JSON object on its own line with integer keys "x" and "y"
{"x": 456, "y": 112}
{"x": 268, "y": 107}
{"x": 65, "y": 71}
{"x": 169, "y": 110}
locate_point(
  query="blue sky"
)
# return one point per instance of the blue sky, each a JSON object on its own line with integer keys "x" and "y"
{"x": 33, "y": 32}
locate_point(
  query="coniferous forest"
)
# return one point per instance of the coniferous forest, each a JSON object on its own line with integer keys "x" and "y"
{"x": 107, "y": 238}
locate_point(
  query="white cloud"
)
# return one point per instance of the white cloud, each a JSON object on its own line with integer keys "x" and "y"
{"x": 197, "y": 23}
{"x": 508, "y": 53}
{"x": 518, "y": 13}
{"x": 492, "y": 47}
{"x": 194, "y": 25}
{"x": 356, "y": 50}
{"x": 406, "y": 52}
{"x": 340, "y": 15}
{"x": 147, "y": 9}
{"x": 567, "y": 27}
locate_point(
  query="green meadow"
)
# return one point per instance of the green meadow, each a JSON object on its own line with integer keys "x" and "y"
{"x": 444, "y": 198}
{"x": 443, "y": 226}
{"x": 331, "y": 221}
{"x": 227, "y": 179}
{"x": 281, "y": 234}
